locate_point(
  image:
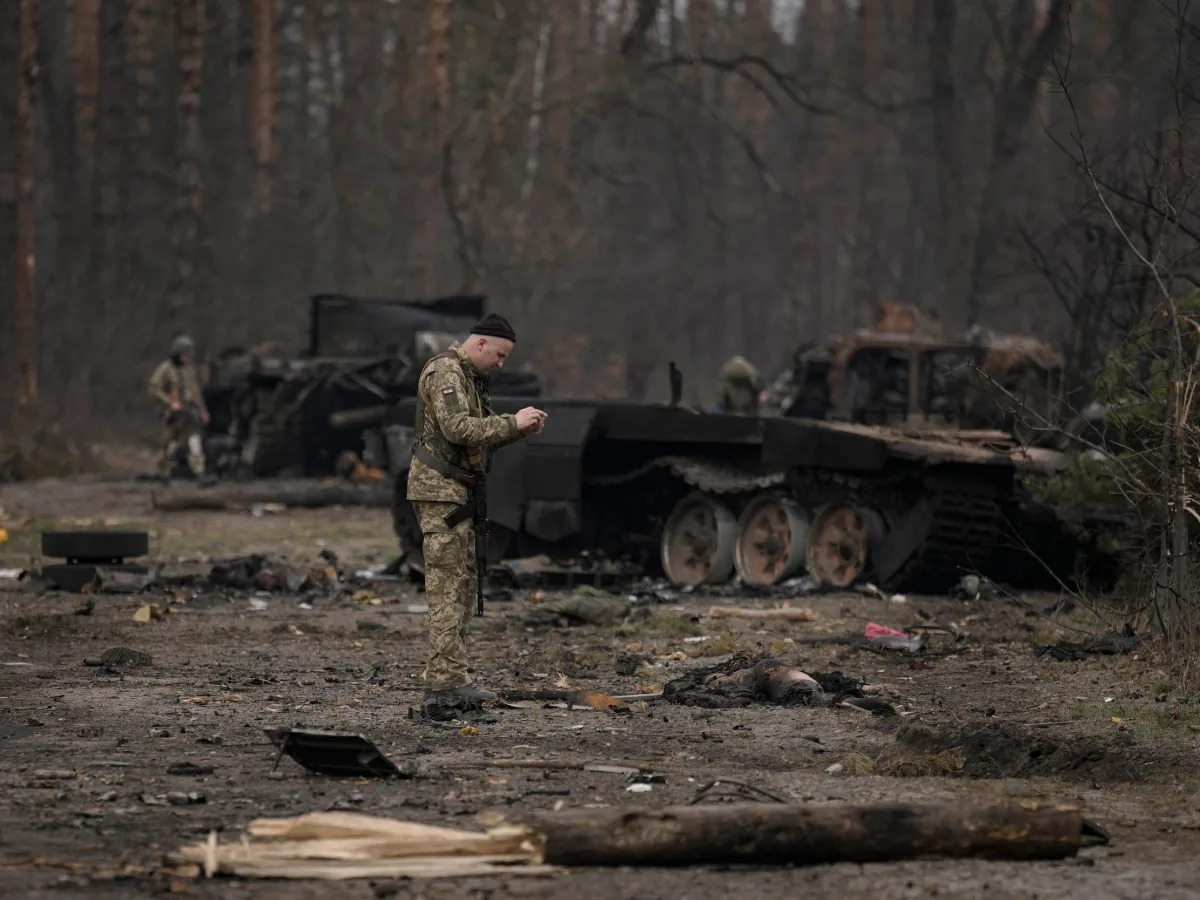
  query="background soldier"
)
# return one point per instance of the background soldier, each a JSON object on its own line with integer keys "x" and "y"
{"x": 454, "y": 436}
{"x": 176, "y": 387}
{"x": 739, "y": 390}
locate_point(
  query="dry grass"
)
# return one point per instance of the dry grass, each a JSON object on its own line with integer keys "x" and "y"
{"x": 902, "y": 762}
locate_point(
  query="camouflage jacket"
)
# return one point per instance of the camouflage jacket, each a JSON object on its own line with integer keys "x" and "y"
{"x": 738, "y": 397}
{"x": 455, "y": 423}
{"x": 181, "y": 382}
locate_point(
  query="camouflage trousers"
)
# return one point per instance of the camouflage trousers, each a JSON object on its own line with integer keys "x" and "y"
{"x": 176, "y": 435}
{"x": 450, "y": 587}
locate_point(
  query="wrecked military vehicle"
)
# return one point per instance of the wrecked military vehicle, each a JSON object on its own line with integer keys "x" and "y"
{"x": 983, "y": 380}
{"x": 302, "y": 414}
{"x": 704, "y": 496}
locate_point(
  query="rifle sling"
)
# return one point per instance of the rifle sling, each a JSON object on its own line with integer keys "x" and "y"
{"x": 462, "y": 476}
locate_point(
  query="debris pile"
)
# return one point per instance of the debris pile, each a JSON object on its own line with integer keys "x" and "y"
{"x": 744, "y": 679}
{"x": 1115, "y": 643}
{"x": 587, "y": 606}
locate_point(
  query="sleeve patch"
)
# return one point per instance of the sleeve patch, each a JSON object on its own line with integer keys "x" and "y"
{"x": 448, "y": 389}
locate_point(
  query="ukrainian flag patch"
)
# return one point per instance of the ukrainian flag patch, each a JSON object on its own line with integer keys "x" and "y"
{"x": 448, "y": 389}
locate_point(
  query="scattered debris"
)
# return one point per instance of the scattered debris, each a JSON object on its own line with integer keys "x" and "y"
{"x": 743, "y": 680}
{"x": 121, "y": 581}
{"x": 147, "y": 612}
{"x": 639, "y": 788}
{"x": 885, "y": 638}
{"x": 784, "y": 613}
{"x": 120, "y": 657}
{"x": 626, "y": 662}
{"x": 568, "y": 699}
{"x": 173, "y": 798}
{"x": 581, "y": 608}
{"x": 333, "y": 753}
{"x": 448, "y": 708}
{"x": 541, "y": 571}
{"x": 187, "y": 768}
{"x": 257, "y": 572}
{"x": 55, "y": 774}
{"x": 1115, "y": 643}
{"x": 340, "y": 845}
{"x": 973, "y": 587}
{"x": 722, "y": 789}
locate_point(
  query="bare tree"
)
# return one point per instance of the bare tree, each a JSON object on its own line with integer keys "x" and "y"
{"x": 190, "y": 207}
{"x": 25, "y": 324}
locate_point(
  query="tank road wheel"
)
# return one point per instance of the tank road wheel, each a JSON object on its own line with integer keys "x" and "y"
{"x": 697, "y": 541}
{"x": 840, "y": 543}
{"x": 772, "y": 538}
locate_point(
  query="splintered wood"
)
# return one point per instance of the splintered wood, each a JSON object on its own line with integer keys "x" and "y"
{"x": 336, "y": 846}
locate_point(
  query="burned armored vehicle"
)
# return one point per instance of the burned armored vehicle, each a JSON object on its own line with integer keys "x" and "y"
{"x": 982, "y": 380}
{"x": 703, "y": 497}
{"x": 301, "y": 414}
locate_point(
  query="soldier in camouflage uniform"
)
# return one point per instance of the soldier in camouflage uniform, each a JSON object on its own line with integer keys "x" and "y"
{"x": 739, "y": 390}
{"x": 176, "y": 386}
{"x": 455, "y": 433}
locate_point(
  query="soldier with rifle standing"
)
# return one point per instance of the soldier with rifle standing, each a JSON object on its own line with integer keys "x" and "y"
{"x": 455, "y": 434}
{"x": 176, "y": 387}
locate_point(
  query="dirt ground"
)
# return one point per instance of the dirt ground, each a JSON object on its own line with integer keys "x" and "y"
{"x": 1113, "y": 734}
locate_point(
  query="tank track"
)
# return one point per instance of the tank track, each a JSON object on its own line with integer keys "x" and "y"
{"x": 968, "y": 523}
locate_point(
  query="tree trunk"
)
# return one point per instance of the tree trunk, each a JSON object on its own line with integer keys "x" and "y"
{"x": 25, "y": 333}
{"x": 191, "y": 175}
{"x": 437, "y": 50}
{"x": 84, "y": 23}
{"x": 265, "y": 102}
{"x": 768, "y": 833}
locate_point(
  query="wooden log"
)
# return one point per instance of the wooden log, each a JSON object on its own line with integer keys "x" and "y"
{"x": 246, "y": 495}
{"x": 786, "y": 613}
{"x": 769, "y": 833}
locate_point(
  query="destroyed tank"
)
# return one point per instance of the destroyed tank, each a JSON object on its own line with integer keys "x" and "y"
{"x": 884, "y": 485}
{"x": 273, "y": 414}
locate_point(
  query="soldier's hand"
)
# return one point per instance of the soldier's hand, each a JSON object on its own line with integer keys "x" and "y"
{"x": 530, "y": 420}
{"x": 176, "y": 406}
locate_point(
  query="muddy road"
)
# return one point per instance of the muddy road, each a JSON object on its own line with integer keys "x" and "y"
{"x": 84, "y": 809}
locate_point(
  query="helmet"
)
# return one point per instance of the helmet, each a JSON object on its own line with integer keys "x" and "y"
{"x": 738, "y": 368}
{"x": 182, "y": 344}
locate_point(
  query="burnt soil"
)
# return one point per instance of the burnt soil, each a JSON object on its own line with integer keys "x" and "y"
{"x": 1113, "y": 733}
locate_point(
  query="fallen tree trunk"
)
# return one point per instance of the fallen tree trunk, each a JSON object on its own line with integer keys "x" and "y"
{"x": 246, "y": 495}
{"x": 764, "y": 833}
